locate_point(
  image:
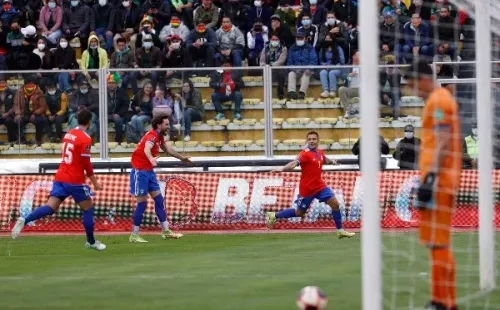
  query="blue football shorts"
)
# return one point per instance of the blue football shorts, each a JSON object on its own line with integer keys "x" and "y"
{"x": 303, "y": 203}
{"x": 143, "y": 182}
{"x": 79, "y": 192}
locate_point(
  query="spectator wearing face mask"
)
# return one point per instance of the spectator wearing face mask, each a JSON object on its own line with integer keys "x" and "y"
{"x": 194, "y": 111}
{"x": 159, "y": 10}
{"x": 65, "y": 59}
{"x": 7, "y": 114}
{"x": 94, "y": 57}
{"x": 118, "y": 104}
{"x": 317, "y": 13}
{"x": 147, "y": 27}
{"x": 208, "y": 13}
{"x": 201, "y": 44}
{"x": 257, "y": 38}
{"x": 29, "y": 107}
{"x": 310, "y": 30}
{"x": 176, "y": 56}
{"x": 407, "y": 150}
{"x": 301, "y": 54}
{"x": 330, "y": 55}
{"x": 102, "y": 22}
{"x": 76, "y": 22}
{"x": 146, "y": 57}
{"x": 287, "y": 19}
{"x": 57, "y": 112}
{"x": 43, "y": 52}
{"x": 227, "y": 86}
{"x": 259, "y": 11}
{"x": 84, "y": 98}
{"x": 335, "y": 28}
{"x": 230, "y": 42}
{"x": 184, "y": 8}
{"x": 275, "y": 55}
{"x": 282, "y": 31}
{"x": 50, "y": 22}
{"x": 127, "y": 23}
{"x": 176, "y": 27}
{"x": 471, "y": 147}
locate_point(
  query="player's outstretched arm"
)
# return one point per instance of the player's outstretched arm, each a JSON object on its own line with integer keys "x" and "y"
{"x": 170, "y": 151}
{"x": 288, "y": 167}
{"x": 329, "y": 161}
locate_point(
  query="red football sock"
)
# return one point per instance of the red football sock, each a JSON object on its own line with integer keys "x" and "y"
{"x": 443, "y": 289}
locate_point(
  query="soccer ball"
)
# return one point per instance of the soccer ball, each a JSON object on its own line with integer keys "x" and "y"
{"x": 311, "y": 298}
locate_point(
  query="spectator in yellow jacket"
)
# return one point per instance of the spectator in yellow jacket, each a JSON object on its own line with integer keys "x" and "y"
{"x": 94, "y": 57}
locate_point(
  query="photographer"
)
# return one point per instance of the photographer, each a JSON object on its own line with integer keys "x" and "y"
{"x": 257, "y": 38}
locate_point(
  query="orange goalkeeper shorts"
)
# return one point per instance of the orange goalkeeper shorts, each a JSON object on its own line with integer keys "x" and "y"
{"x": 435, "y": 224}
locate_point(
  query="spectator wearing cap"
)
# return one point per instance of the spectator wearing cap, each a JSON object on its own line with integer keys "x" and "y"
{"x": 309, "y": 29}
{"x": 30, "y": 37}
{"x": 317, "y": 13}
{"x": 417, "y": 37}
{"x": 57, "y": 111}
{"x": 29, "y": 107}
{"x": 227, "y": 86}
{"x": 94, "y": 57}
{"x": 388, "y": 33}
{"x": 7, "y": 113}
{"x": 20, "y": 49}
{"x": 102, "y": 22}
{"x": 8, "y": 13}
{"x": 122, "y": 58}
{"x": 208, "y": 13}
{"x": 275, "y": 54}
{"x": 257, "y": 38}
{"x": 330, "y": 55}
{"x": 127, "y": 23}
{"x": 84, "y": 98}
{"x": 146, "y": 57}
{"x": 194, "y": 111}
{"x": 142, "y": 107}
{"x": 51, "y": 20}
{"x": 184, "y": 8}
{"x": 301, "y": 54}
{"x": 407, "y": 150}
{"x": 259, "y": 11}
{"x": 118, "y": 104}
{"x": 351, "y": 90}
{"x": 230, "y": 42}
{"x": 65, "y": 60}
{"x": 147, "y": 27}
{"x": 201, "y": 44}
{"x": 471, "y": 147}
{"x": 286, "y": 16}
{"x": 159, "y": 10}
{"x": 76, "y": 22}
{"x": 283, "y": 31}
{"x": 238, "y": 12}
{"x": 176, "y": 56}
{"x": 176, "y": 27}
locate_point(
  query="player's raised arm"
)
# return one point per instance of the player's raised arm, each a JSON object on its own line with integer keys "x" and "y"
{"x": 288, "y": 167}
{"x": 170, "y": 151}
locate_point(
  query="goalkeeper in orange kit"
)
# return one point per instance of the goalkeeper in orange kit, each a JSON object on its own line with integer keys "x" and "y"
{"x": 440, "y": 165}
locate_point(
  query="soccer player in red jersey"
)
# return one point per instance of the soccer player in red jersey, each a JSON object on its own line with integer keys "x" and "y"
{"x": 70, "y": 181}
{"x": 143, "y": 179}
{"x": 311, "y": 186}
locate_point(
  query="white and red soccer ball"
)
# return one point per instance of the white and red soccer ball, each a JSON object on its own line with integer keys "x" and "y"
{"x": 311, "y": 298}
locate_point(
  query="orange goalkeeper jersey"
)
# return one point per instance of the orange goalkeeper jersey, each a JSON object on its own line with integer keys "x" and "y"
{"x": 441, "y": 111}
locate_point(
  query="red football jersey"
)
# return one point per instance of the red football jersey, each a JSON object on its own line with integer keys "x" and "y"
{"x": 311, "y": 162}
{"x": 139, "y": 159}
{"x": 75, "y": 150}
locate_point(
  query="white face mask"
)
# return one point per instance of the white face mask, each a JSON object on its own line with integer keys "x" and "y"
{"x": 74, "y": 3}
{"x": 408, "y": 135}
{"x": 147, "y": 45}
{"x": 103, "y": 2}
{"x": 257, "y": 4}
{"x": 51, "y": 92}
{"x": 301, "y": 42}
{"x": 175, "y": 45}
{"x": 41, "y": 47}
{"x": 63, "y": 44}
{"x": 474, "y": 132}
{"x": 275, "y": 43}
{"x": 126, "y": 4}
{"x": 84, "y": 90}
{"x": 331, "y": 21}
{"x": 51, "y": 5}
{"x": 93, "y": 47}
{"x": 313, "y": 2}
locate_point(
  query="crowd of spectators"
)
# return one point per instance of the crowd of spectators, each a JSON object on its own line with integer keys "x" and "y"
{"x": 171, "y": 34}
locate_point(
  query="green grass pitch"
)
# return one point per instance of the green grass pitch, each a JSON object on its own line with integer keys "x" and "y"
{"x": 246, "y": 271}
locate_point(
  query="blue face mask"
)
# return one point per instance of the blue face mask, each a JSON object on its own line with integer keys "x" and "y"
{"x": 74, "y": 3}
{"x": 148, "y": 45}
{"x": 84, "y": 90}
{"x": 306, "y": 22}
{"x": 52, "y": 5}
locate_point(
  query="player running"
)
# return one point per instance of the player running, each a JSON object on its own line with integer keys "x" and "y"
{"x": 312, "y": 186}
{"x": 440, "y": 166}
{"x": 70, "y": 181}
{"x": 143, "y": 179}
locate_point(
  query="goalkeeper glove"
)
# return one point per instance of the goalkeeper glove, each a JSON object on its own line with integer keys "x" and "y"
{"x": 426, "y": 189}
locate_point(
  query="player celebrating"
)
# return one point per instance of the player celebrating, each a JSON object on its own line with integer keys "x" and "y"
{"x": 312, "y": 186}
{"x": 143, "y": 179}
{"x": 70, "y": 181}
{"x": 440, "y": 166}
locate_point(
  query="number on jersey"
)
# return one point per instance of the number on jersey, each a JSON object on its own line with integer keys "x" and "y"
{"x": 67, "y": 152}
